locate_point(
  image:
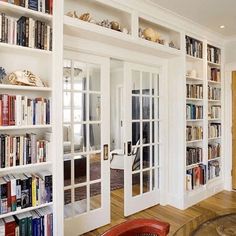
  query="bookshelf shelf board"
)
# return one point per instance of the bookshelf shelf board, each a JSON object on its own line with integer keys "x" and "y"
{"x": 26, "y": 88}
{"x": 192, "y": 58}
{"x": 25, "y": 210}
{"x": 215, "y": 179}
{"x": 214, "y": 119}
{"x": 3, "y": 128}
{"x": 194, "y": 99}
{"x": 85, "y": 30}
{"x": 27, "y": 168}
{"x": 214, "y": 138}
{"x": 213, "y": 159}
{"x": 5, "y": 47}
{"x": 214, "y": 82}
{"x": 194, "y": 141}
{"x": 18, "y": 11}
{"x": 193, "y": 165}
{"x": 213, "y": 64}
{"x": 193, "y": 78}
{"x": 195, "y": 120}
{"x": 210, "y": 100}
{"x": 196, "y": 190}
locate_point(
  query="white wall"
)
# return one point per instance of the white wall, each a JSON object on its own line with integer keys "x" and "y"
{"x": 116, "y": 80}
{"x": 230, "y": 65}
{"x": 230, "y": 52}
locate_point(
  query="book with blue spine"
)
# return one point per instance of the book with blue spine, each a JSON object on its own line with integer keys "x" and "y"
{"x": 33, "y": 5}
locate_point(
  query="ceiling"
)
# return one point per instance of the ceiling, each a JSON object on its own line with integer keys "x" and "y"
{"x": 209, "y": 13}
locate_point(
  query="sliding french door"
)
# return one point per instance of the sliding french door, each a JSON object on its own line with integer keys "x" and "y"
{"x": 141, "y": 135}
{"x": 86, "y": 143}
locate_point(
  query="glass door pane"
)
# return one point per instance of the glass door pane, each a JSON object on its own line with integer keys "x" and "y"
{"x": 84, "y": 182}
{"x": 142, "y": 122}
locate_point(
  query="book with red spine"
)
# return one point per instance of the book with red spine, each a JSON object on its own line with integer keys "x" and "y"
{"x": 8, "y": 181}
{"x": 10, "y": 226}
{"x": 11, "y": 110}
{"x": 5, "y": 104}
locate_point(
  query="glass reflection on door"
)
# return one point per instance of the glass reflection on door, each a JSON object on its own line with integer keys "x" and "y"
{"x": 145, "y": 131}
{"x": 81, "y": 137}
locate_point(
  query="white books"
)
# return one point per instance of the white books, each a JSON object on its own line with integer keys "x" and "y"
{"x": 43, "y": 6}
{"x": 26, "y": 3}
{"x": 31, "y": 33}
{"x": 13, "y": 185}
{"x": 18, "y": 110}
{"x": 21, "y": 150}
{"x": 188, "y": 182}
{"x": 17, "y": 231}
{"x": 48, "y": 37}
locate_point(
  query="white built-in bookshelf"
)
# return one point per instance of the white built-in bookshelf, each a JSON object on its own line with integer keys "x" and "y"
{"x": 185, "y": 72}
{"x": 161, "y": 39}
{"x": 214, "y": 113}
{"x": 19, "y": 157}
{"x": 203, "y": 156}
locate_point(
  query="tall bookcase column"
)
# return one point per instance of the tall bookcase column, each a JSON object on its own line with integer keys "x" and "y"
{"x": 196, "y": 125}
{"x": 176, "y": 114}
{"x": 57, "y": 75}
{"x": 205, "y": 113}
{"x": 215, "y": 116}
{"x": 27, "y": 55}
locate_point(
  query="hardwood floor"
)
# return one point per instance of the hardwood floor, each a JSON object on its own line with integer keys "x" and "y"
{"x": 220, "y": 203}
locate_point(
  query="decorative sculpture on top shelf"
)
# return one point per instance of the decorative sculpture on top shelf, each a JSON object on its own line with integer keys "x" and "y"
{"x": 151, "y": 34}
{"x": 114, "y": 25}
{"x": 24, "y": 78}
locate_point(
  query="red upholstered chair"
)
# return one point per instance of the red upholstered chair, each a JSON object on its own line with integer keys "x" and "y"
{"x": 139, "y": 227}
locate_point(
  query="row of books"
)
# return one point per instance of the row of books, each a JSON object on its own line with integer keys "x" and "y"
{"x": 214, "y": 130}
{"x": 193, "y": 47}
{"x": 213, "y": 54}
{"x": 20, "y": 150}
{"x": 214, "y": 74}
{"x": 214, "y": 93}
{"x": 193, "y": 155}
{"x": 214, "y": 151}
{"x": 195, "y": 177}
{"x": 194, "y": 91}
{"x": 25, "y": 32}
{"x": 21, "y": 110}
{"x": 44, "y": 6}
{"x": 19, "y": 191}
{"x": 194, "y": 133}
{"x": 194, "y": 112}
{"x": 213, "y": 169}
{"x": 33, "y": 223}
{"x": 214, "y": 112}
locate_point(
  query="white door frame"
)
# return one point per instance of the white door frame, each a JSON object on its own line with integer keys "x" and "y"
{"x": 85, "y": 222}
{"x": 133, "y": 204}
{"x": 100, "y": 49}
{"x": 229, "y": 68}
{"x": 120, "y": 113}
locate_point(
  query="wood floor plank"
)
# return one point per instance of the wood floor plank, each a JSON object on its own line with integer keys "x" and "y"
{"x": 204, "y": 210}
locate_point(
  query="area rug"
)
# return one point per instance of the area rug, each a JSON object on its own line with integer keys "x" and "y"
{"x": 210, "y": 224}
{"x": 116, "y": 182}
{"x": 222, "y": 225}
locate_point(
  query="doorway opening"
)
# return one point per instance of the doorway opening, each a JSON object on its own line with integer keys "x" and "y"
{"x": 116, "y": 137}
{"x": 134, "y": 137}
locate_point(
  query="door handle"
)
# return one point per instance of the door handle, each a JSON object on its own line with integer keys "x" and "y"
{"x": 105, "y": 152}
{"x": 129, "y": 148}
